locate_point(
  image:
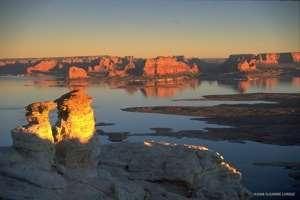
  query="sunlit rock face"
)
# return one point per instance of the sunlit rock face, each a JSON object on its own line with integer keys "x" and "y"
{"x": 114, "y": 66}
{"x": 43, "y": 66}
{"x": 35, "y": 139}
{"x": 74, "y": 132}
{"x": 77, "y": 73}
{"x": 296, "y": 56}
{"x": 278, "y": 58}
{"x": 168, "y": 66}
{"x": 268, "y": 58}
{"x": 240, "y": 63}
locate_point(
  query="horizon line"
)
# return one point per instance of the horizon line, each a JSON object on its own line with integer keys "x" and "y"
{"x": 141, "y": 57}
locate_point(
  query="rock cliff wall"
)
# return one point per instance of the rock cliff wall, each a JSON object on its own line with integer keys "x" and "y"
{"x": 77, "y": 73}
{"x": 161, "y": 66}
{"x": 248, "y": 62}
{"x": 43, "y": 66}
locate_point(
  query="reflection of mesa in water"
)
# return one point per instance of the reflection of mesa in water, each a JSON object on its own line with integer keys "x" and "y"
{"x": 162, "y": 87}
{"x": 167, "y": 87}
{"x": 267, "y": 83}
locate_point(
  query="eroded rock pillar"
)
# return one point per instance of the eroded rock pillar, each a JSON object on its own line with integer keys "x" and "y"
{"x": 76, "y": 144}
{"x": 35, "y": 140}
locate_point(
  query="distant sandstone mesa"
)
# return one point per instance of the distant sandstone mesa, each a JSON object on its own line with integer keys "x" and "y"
{"x": 65, "y": 162}
{"x": 248, "y": 62}
{"x": 168, "y": 65}
{"x": 77, "y": 73}
{"x": 114, "y": 66}
{"x": 43, "y": 66}
{"x": 241, "y": 63}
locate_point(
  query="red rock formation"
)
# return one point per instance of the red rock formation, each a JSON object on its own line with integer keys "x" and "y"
{"x": 35, "y": 139}
{"x": 114, "y": 66}
{"x": 268, "y": 58}
{"x": 75, "y": 116}
{"x": 240, "y": 63}
{"x": 77, "y": 73}
{"x": 76, "y": 145}
{"x": 296, "y": 56}
{"x": 167, "y": 66}
{"x": 277, "y": 58}
{"x": 247, "y": 65}
{"x": 43, "y": 66}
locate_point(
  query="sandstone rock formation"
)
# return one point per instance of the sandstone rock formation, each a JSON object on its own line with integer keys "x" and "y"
{"x": 43, "y": 66}
{"x": 153, "y": 171}
{"x": 35, "y": 139}
{"x": 268, "y": 58}
{"x": 240, "y": 63}
{"x": 74, "y": 132}
{"x": 77, "y": 73}
{"x": 278, "y": 58}
{"x": 168, "y": 65}
{"x": 114, "y": 66}
{"x": 296, "y": 56}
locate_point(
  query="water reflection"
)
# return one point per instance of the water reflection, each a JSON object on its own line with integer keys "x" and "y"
{"x": 265, "y": 83}
{"x": 296, "y": 81}
{"x": 170, "y": 87}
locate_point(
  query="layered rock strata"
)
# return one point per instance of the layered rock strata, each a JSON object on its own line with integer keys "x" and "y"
{"x": 161, "y": 66}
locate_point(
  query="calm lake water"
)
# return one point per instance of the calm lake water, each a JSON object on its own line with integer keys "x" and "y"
{"x": 110, "y": 97}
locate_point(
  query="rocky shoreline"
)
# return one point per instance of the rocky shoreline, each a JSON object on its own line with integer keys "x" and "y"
{"x": 66, "y": 161}
{"x": 271, "y": 123}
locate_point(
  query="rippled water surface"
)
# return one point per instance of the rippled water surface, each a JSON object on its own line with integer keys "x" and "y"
{"x": 111, "y": 97}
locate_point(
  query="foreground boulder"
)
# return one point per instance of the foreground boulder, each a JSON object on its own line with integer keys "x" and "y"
{"x": 65, "y": 163}
{"x": 170, "y": 171}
